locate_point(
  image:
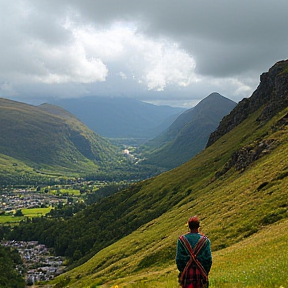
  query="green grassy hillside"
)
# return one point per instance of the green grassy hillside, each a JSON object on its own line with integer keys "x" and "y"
{"x": 239, "y": 206}
{"x": 48, "y": 140}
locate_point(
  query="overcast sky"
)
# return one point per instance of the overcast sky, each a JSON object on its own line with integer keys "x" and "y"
{"x": 173, "y": 52}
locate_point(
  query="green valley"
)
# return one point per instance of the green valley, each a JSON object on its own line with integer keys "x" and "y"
{"x": 47, "y": 144}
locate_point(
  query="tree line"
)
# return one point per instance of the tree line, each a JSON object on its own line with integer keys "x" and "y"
{"x": 98, "y": 225}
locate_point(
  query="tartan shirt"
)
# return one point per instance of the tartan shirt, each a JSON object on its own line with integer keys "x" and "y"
{"x": 204, "y": 256}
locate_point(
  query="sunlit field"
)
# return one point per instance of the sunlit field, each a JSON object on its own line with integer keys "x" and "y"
{"x": 31, "y": 213}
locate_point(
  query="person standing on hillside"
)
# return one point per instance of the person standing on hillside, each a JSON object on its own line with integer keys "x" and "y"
{"x": 193, "y": 257}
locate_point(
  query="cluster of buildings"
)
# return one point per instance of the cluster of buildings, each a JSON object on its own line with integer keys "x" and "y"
{"x": 10, "y": 201}
{"x": 38, "y": 263}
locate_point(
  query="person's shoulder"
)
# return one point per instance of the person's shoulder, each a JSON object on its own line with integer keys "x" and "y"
{"x": 207, "y": 240}
{"x": 182, "y": 235}
{"x": 203, "y": 235}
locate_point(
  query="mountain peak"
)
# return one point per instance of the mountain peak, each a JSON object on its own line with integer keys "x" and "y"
{"x": 189, "y": 133}
{"x": 214, "y": 99}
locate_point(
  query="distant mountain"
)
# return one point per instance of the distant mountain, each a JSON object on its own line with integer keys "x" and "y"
{"x": 189, "y": 133}
{"x": 49, "y": 138}
{"x": 121, "y": 117}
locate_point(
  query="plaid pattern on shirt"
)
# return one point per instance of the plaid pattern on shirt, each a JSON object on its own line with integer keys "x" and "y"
{"x": 193, "y": 278}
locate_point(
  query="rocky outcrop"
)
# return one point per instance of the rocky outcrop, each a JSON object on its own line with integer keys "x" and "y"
{"x": 271, "y": 94}
{"x": 242, "y": 158}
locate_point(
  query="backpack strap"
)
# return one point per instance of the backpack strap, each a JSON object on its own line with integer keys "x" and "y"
{"x": 193, "y": 254}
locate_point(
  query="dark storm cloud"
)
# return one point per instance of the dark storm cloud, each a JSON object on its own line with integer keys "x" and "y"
{"x": 225, "y": 37}
{"x": 176, "y": 48}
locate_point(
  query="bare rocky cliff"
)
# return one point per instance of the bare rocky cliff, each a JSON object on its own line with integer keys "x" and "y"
{"x": 272, "y": 93}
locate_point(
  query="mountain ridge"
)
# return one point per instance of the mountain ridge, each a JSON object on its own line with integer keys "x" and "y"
{"x": 116, "y": 117}
{"x": 189, "y": 133}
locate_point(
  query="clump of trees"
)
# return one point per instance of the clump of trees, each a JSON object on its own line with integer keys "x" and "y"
{"x": 18, "y": 213}
{"x": 9, "y": 276}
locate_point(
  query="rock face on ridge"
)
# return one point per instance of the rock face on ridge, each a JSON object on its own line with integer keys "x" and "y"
{"x": 271, "y": 92}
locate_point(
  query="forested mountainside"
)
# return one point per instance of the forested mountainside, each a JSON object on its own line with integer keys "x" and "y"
{"x": 238, "y": 188}
{"x": 188, "y": 134}
{"x": 118, "y": 117}
{"x": 37, "y": 140}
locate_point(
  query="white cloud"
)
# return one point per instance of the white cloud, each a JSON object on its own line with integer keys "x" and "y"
{"x": 68, "y": 65}
{"x": 33, "y": 59}
{"x": 168, "y": 65}
{"x": 155, "y": 62}
{"x": 89, "y": 50}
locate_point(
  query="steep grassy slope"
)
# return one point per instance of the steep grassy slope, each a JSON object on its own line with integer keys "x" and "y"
{"x": 189, "y": 133}
{"x": 236, "y": 205}
{"x": 50, "y": 139}
{"x": 244, "y": 264}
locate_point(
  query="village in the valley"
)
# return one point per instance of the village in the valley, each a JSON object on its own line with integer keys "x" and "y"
{"x": 38, "y": 264}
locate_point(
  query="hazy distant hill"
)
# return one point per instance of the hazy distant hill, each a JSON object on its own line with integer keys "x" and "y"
{"x": 189, "y": 133}
{"x": 238, "y": 188}
{"x": 121, "y": 117}
{"x": 48, "y": 137}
